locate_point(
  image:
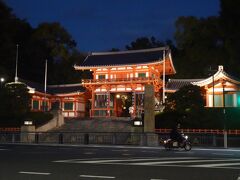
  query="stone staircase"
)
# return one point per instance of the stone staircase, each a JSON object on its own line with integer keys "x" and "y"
{"x": 96, "y": 125}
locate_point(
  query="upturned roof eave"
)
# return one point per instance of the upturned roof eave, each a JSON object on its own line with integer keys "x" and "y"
{"x": 79, "y": 67}
{"x": 218, "y": 75}
{"x": 160, "y": 61}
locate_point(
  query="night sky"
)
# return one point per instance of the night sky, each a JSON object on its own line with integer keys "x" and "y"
{"x": 100, "y": 25}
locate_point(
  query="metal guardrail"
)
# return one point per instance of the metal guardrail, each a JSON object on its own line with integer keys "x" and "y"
{"x": 115, "y": 138}
{"x": 203, "y": 131}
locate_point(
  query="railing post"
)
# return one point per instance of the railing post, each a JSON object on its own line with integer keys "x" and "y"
{"x": 225, "y": 139}
{"x": 60, "y": 138}
{"x": 36, "y": 138}
{"x": 114, "y": 139}
{"x": 13, "y": 138}
{"x": 214, "y": 140}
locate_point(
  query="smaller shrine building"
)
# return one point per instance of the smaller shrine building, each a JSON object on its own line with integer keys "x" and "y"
{"x": 220, "y": 89}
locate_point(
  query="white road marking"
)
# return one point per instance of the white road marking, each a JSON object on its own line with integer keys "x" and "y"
{"x": 126, "y": 154}
{"x": 164, "y": 161}
{"x": 185, "y": 161}
{"x": 222, "y": 154}
{"x": 90, "y": 149}
{"x": 149, "y": 152}
{"x": 89, "y": 153}
{"x": 93, "y": 176}
{"x": 3, "y": 149}
{"x": 216, "y": 165}
{"x": 124, "y": 150}
{"x": 187, "y": 166}
{"x": 220, "y": 150}
{"x": 34, "y": 173}
{"x": 158, "y": 179}
{"x": 238, "y": 178}
{"x": 95, "y": 161}
{"x": 184, "y": 152}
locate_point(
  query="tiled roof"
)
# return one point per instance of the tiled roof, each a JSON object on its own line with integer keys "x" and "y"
{"x": 65, "y": 88}
{"x": 55, "y": 89}
{"x": 124, "y": 57}
{"x": 175, "y": 84}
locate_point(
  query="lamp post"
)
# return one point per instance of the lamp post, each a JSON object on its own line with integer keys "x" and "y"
{"x": 224, "y": 118}
{"x": 213, "y": 90}
{"x": 2, "y": 80}
{"x": 212, "y": 72}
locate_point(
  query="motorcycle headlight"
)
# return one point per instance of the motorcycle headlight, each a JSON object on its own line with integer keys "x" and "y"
{"x": 186, "y": 137}
{"x": 165, "y": 142}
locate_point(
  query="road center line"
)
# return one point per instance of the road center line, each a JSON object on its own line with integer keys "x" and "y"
{"x": 92, "y": 176}
{"x": 34, "y": 173}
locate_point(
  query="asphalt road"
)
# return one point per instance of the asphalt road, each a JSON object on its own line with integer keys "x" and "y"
{"x": 34, "y": 162}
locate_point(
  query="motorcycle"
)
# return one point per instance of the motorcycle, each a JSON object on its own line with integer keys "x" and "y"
{"x": 171, "y": 144}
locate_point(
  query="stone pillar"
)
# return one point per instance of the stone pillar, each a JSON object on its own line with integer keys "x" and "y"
{"x": 149, "y": 116}
{"x": 27, "y": 134}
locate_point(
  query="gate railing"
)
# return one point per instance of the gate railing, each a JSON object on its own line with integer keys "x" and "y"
{"x": 209, "y": 139}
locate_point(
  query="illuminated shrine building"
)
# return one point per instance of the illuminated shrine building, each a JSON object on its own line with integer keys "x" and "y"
{"x": 220, "y": 89}
{"x": 117, "y": 86}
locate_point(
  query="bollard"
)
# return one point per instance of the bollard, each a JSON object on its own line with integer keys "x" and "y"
{"x": 214, "y": 140}
{"x": 86, "y": 138}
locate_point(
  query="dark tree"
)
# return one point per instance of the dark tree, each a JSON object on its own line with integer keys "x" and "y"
{"x": 200, "y": 45}
{"x": 230, "y": 24}
{"x": 15, "y": 103}
{"x": 12, "y": 31}
{"x": 187, "y": 98}
{"x": 144, "y": 43}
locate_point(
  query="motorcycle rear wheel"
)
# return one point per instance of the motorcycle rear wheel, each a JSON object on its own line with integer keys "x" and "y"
{"x": 187, "y": 147}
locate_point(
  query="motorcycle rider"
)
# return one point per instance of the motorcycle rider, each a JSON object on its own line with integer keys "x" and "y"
{"x": 175, "y": 134}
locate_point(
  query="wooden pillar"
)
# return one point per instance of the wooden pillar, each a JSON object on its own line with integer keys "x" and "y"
{"x": 93, "y": 102}
{"x": 108, "y": 101}
{"x": 115, "y": 104}
{"x": 134, "y": 103}
{"x": 75, "y": 106}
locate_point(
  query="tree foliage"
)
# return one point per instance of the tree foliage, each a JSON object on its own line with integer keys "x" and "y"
{"x": 48, "y": 41}
{"x": 15, "y": 103}
{"x": 211, "y": 41}
{"x": 187, "y": 98}
{"x": 184, "y": 106}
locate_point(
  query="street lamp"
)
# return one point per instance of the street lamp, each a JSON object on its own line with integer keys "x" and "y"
{"x": 2, "y": 80}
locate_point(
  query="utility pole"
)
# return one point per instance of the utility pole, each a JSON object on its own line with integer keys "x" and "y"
{"x": 224, "y": 119}
{"x": 164, "y": 75}
{"x": 45, "y": 87}
{"x": 16, "y": 70}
